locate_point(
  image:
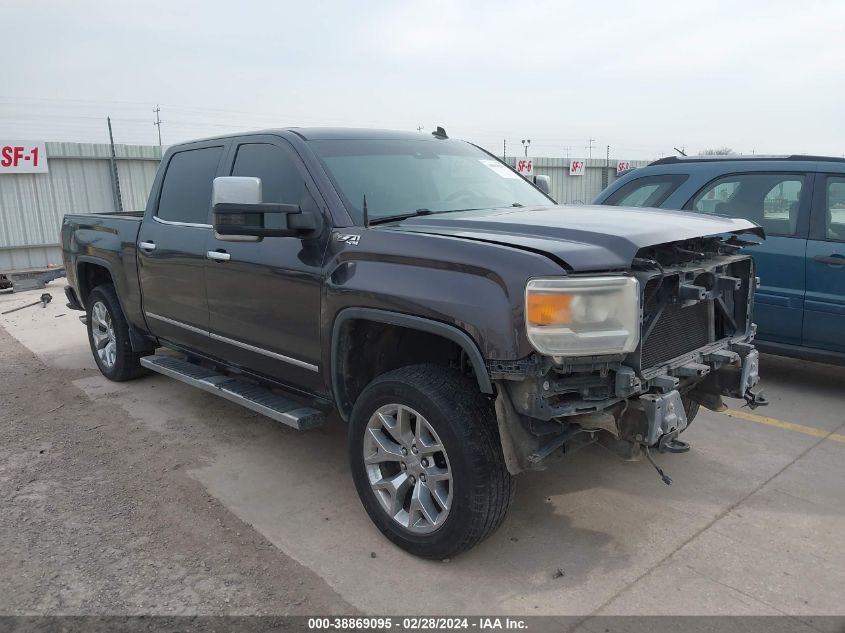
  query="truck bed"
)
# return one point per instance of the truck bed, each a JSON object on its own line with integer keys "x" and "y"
{"x": 107, "y": 240}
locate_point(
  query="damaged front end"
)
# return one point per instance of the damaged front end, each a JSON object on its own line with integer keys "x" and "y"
{"x": 694, "y": 348}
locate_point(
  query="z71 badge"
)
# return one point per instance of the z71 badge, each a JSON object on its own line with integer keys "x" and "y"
{"x": 352, "y": 240}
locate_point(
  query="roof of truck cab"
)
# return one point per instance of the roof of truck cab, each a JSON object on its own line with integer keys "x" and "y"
{"x": 326, "y": 134}
{"x": 354, "y": 134}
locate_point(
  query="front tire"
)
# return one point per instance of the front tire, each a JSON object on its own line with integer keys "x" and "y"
{"x": 427, "y": 462}
{"x": 108, "y": 335}
{"x": 691, "y": 408}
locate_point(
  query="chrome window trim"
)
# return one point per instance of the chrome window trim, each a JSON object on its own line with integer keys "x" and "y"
{"x": 224, "y": 339}
{"x": 172, "y": 223}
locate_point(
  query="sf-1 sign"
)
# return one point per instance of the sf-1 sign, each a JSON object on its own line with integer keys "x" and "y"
{"x": 576, "y": 168}
{"x": 525, "y": 167}
{"x": 23, "y": 157}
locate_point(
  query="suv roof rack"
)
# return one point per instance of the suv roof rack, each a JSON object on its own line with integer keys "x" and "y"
{"x": 674, "y": 160}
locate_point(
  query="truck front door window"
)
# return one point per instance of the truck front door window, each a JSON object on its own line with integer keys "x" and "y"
{"x": 280, "y": 180}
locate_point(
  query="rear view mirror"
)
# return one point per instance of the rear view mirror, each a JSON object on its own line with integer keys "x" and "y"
{"x": 240, "y": 215}
{"x": 544, "y": 184}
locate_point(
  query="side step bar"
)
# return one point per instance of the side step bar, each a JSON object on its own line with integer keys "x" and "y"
{"x": 244, "y": 393}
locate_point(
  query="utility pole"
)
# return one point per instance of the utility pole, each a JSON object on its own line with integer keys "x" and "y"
{"x": 420, "y": 128}
{"x": 504, "y": 149}
{"x": 115, "y": 179}
{"x": 605, "y": 174}
{"x": 157, "y": 123}
{"x": 589, "y": 147}
{"x": 566, "y": 151}
{"x": 525, "y": 145}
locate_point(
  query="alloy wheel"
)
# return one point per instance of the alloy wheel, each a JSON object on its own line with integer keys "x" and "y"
{"x": 408, "y": 468}
{"x": 102, "y": 332}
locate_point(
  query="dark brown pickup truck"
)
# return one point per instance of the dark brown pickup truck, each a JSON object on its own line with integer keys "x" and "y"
{"x": 465, "y": 326}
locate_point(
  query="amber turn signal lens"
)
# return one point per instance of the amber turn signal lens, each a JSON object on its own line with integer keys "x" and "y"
{"x": 549, "y": 308}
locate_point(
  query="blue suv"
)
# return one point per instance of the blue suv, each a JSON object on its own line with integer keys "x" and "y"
{"x": 800, "y": 203}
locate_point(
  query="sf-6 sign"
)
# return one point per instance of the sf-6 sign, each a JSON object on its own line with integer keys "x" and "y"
{"x": 23, "y": 157}
{"x": 525, "y": 166}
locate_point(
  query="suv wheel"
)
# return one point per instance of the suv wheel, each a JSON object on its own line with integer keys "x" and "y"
{"x": 108, "y": 335}
{"x": 427, "y": 461}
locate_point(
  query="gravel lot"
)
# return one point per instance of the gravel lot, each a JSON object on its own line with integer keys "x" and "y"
{"x": 152, "y": 497}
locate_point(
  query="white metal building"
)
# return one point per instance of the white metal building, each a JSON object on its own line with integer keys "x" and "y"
{"x": 79, "y": 179}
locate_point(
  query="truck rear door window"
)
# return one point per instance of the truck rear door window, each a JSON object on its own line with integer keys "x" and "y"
{"x": 649, "y": 191}
{"x": 186, "y": 190}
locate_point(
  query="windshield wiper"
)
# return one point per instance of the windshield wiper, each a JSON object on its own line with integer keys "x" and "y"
{"x": 403, "y": 216}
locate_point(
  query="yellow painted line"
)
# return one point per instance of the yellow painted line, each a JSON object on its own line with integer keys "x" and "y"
{"x": 781, "y": 424}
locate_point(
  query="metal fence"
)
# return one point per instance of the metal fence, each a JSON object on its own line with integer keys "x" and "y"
{"x": 79, "y": 180}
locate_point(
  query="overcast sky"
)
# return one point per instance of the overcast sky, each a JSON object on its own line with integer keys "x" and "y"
{"x": 641, "y": 77}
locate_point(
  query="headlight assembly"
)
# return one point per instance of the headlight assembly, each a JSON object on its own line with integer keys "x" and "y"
{"x": 583, "y": 316}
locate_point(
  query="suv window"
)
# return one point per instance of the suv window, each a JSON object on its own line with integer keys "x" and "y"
{"x": 835, "y": 216}
{"x": 280, "y": 179}
{"x": 770, "y": 200}
{"x": 649, "y": 191}
{"x": 186, "y": 190}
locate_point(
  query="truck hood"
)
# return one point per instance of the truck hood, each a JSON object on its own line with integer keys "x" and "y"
{"x": 584, "y": 238}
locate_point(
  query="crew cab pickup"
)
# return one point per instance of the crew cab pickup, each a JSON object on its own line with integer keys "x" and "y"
{"x": 462, "y": 324}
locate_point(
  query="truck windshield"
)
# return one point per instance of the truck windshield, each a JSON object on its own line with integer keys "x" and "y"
{"x": 407, "y": 176}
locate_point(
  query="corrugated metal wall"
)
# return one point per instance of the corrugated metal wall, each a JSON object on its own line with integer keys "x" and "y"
{"x": 568, "y": 189}
{"x": 79, "y": 180}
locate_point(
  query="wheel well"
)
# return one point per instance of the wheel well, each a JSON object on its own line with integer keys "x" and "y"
{"x": 90, "y": 276}
{"x": 366, "y": 349}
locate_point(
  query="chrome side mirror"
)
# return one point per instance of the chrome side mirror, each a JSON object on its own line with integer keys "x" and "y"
{"x": 544, "y": 184}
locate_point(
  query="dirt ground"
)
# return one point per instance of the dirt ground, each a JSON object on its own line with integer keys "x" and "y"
{"x": 98, "y": 515}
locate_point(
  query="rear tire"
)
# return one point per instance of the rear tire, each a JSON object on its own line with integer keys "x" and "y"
{"x": 427, "y": 461}
{"x": 108, "y": 336}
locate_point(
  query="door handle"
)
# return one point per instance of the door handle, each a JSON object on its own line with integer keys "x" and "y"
{"x": 218, "y": 256}
{"x": 147, "y": 246}
{"x": 833, "y": 260}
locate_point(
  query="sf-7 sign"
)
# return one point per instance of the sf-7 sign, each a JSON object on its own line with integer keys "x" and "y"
{"x": 23, "y": 157}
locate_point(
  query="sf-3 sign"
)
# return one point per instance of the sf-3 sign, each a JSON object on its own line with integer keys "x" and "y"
{"x": 23, "y": 157}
